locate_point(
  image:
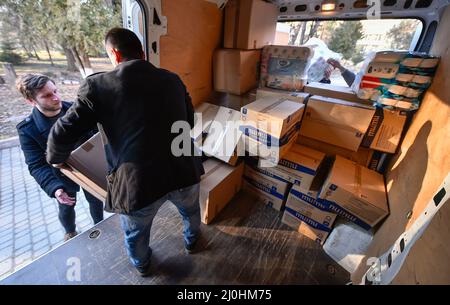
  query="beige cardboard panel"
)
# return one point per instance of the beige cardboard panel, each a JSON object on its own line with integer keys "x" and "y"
{"x": 218, "y": 186}
{"x": 336, "y": 122}
{"x": 193, "y": 33}
{"x": 414, "y": 176}
{"x": 235, "y": 71}
{"x": 300, "y": 97}
{"x": 334, "y": 91}
{"x": 362, "y": 156}
{"x": 249, "y": 24}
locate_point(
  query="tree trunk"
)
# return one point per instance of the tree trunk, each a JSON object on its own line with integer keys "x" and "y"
{"x": 294, "y": 35}
{"x": 71, "y": 65}
{"x": 78, "y": 61}
{"x": 23, "y": 44}
{"x": 10, "y": 73}
{"x": 48, "y": 51}
{"x": 35, "y": 53}
{"x": 314, "y": 28}
{"x": 86, "y": 60}
{"x": 302, "y": 37}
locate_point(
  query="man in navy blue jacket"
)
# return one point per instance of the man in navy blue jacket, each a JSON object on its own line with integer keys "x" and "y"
{"x": 41, "y": 92}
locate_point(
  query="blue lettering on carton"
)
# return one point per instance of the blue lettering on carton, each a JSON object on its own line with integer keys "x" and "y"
{"x": 307, "y": 220}
{"x": 335, "y": 208}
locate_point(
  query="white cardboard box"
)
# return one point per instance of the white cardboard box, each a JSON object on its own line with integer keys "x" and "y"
{"x": 264, "y": 92}
{"x": 203, "y": 116}
{"x": 224, "y": 136}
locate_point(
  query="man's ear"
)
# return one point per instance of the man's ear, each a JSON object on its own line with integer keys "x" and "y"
{"x": 117, "y": 55}
{"x": 30, "y": 101}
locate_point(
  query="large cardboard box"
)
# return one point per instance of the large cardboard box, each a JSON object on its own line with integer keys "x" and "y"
{"x": 224, "y": 136}
{"x": 385, "y": 130}
{"x": 236, "y": 71}
{"x": 300, "y": 165}
{"x": 304, "y": 226}
{"x": 89, "y": 167}
{"x": 334, "y": 91}
{"x": 233, "y": 101}
{"x": 300, "y": 97}
{"x": 270, "y": 188}
{"x": 363, "y": 156}
{"x": 218, "y": 186}
{"x": 356, "y": 193}
{"x": 269, "y": 120}
{"x": 249, "y": 24}
{"x": 336, "y": 122}
{"x": 305, "y": 202}
{"x": 203, "y": 117}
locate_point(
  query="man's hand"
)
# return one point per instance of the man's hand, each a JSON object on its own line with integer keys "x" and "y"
{"x": 63, "y": 198}
{"x": 336, "y": 64}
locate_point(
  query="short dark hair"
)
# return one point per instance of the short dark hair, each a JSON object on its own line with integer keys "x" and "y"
{"x": 29, "y": 84}
{"x": 126, "y": 42}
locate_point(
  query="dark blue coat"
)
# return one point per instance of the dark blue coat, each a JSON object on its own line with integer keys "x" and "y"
{"x": 33, "y": 133}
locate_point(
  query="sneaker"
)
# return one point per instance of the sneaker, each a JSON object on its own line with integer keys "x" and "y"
{"x": 70, "y": 235}
{"x": 193, "y": 246}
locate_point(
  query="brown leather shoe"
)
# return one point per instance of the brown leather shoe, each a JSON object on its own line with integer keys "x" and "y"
{"x": 68, "y": 236}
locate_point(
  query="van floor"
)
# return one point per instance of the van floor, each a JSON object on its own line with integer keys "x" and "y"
{"x": 246, "y": 244}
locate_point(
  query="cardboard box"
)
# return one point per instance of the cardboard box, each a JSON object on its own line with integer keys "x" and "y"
{"x": 336, "y": 122}
{"x": 270, "y": 155}
{"x": 269, "y": 120}
{"x": 203, "y": 116}
{"x": 334, "y": 91}
{"x": 249, "y": 24}
{"x": 362, "y": 156}
{"x": 89, "y": 167}
{"x": 235, "y": 71}
{"x": 305, "y": 202}
{"x": 299, "y": 166}
{"x": 385, "y": 130}
{"x": 224, "y": 136}
{"x": 271, "y": 189}
{"x": 356, "y": 193}
{"x": 218, "y": 186}
{"x": 300, "y": 97}
{"x": 305, "y": 226}
{"x": 379, "y": 161}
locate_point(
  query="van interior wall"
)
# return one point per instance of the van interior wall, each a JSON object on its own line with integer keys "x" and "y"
{"x": 413, "y": 177}
{"x": 194, "y": 31}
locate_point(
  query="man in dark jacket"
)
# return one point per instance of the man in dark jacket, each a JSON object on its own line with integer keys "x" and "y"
{"x": 136, "y": 105}
{"x": 41, "y": 92}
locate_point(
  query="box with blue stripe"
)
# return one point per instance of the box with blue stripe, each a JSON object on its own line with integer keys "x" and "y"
{"x": 305, "y": 202}
{"x": 299, "y": 166}
{"x": 271, "y": 189}
{"x": 356, "y": 193}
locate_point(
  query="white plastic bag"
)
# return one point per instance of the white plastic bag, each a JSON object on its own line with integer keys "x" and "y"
{"x": 316, "y": 71}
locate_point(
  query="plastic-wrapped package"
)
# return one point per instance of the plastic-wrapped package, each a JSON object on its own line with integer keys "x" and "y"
{"x": 284, "y": 67}
{"x": 316, "y": 71}
{"x": 397, "y": 80}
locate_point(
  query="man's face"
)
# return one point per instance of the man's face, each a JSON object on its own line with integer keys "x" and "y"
{"x": 47, "y": 99}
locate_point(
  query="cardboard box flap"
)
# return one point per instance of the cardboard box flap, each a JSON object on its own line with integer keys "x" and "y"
{"x": 224, "y": 135}
{"x": 364, "y": 183}
{"x": 207, "y": 112}
{"x": 277, "y": 108}
{"x": 307, "y": 157}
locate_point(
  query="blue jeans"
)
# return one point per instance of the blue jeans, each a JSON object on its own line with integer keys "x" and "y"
{"x": 66, "y": 213}
{"x": 137, "y": 225}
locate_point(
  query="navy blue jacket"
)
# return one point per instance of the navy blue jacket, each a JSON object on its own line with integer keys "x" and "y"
{"x": 33, "y": 133}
